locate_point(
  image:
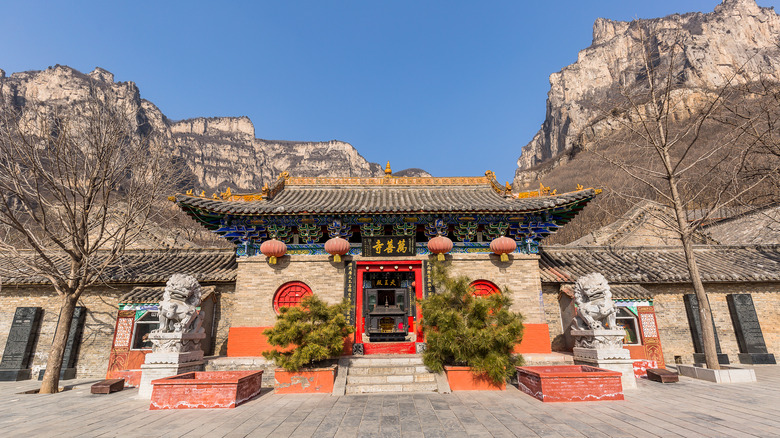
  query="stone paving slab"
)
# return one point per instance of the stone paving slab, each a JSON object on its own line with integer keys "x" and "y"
{"x": 690, "y": 408}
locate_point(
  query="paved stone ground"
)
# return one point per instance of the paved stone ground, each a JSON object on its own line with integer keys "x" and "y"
{"x": 688, "y": 408}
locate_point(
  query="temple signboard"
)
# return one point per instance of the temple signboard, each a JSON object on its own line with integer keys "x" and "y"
{"x": 388, "y": 246}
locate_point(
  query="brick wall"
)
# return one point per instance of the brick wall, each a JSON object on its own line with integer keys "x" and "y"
{"x": 673, "y": 322}
{"x": 552, "y": 313}
{"x": 98, "y": 331}
{"x": 257, "y": 282}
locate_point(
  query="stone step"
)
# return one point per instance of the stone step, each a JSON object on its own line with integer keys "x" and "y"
{"x": 394, "y": 360}
{"x": 392, "y": 387}
{"x": 386, "y": 370}
{"x": 382, "y": 379}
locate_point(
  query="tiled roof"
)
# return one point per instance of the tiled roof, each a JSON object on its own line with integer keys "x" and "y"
{"x": 660, "y": 264}
{"x": 629, "y": 292}
{"x": 441, "y": 195}
{"x": 141, "y": 295}
{"x": 758, "y": 226}
{"x": 144, "y": 266}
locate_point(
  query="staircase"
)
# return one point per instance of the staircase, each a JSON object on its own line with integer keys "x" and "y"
{"x": 391, "y": 373}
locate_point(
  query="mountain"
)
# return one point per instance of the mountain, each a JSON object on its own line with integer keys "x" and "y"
{"x": 219, "y": 152}
{"x": 737, "y": 34}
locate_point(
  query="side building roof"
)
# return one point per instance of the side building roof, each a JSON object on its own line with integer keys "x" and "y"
{"x": 141, "y": 266}
{"x": 656, "y": 264}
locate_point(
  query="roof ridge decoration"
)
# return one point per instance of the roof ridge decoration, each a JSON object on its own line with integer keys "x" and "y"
{"x": 546, "y": 191}
{"x": 381, "y": 180}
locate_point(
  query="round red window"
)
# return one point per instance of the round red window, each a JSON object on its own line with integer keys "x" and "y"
{"x": 290, "y": 295}
{"x": 483, "y": 288}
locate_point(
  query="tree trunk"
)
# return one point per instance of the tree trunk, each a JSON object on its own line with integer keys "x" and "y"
{"x": 51, "y": 378}
{"x": 705, "y": 314}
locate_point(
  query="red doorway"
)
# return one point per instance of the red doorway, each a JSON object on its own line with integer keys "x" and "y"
{"x": 367, "y": 275}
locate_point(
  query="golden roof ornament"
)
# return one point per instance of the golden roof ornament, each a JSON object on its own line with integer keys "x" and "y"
{"x": 388, "y": 171}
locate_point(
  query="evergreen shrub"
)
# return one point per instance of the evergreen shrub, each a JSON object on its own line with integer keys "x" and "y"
{"x": 464, "y": 330}
{"x": 315, "y": 329}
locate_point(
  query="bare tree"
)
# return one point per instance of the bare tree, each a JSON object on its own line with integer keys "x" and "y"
{"x": 682, "y": 147}
{"x": 77, "y": 185}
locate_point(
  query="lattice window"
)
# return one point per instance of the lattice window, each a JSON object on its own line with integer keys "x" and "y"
{"x": 483, "y": 288}
{"x": 290, "y": 295}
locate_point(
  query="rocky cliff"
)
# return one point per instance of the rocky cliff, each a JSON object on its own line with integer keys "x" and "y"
{"x": 737, "y": 34}
{"x": 219, "y": 152}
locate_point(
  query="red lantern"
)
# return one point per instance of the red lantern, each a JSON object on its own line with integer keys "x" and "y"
{"x": 273, "y": 249}
{"x": 337, "y": 247}
{"x": 440, "y": 245}
{"x": 503, "y": 246}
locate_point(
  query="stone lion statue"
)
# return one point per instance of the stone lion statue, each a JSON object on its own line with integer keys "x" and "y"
{"x": 596, "y": 310}
{"x": 178, "y": 309}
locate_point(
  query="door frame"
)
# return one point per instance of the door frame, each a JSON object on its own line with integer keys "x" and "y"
{"x": 414, "y": 266}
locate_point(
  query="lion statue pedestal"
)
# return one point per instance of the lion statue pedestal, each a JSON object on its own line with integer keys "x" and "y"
{"x": 176, "y": 343}
{"x": 597, "y": 339}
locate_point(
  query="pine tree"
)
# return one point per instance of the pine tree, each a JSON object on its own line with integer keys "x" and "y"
{"x": 315, "y": 329}
{"x": 464, "y": 330}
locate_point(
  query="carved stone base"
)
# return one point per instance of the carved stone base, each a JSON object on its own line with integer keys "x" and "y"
{"x": 14, "y": 375}
{"x": 601, "y": 354}
{"x": 156, "y": 371}
{"x": 624, "y": 366}
{"x": 174, "y": 358}
{"x": 65, "y": 373}
{"x": 176, "y": 342}
{"x": 757, "y": 358}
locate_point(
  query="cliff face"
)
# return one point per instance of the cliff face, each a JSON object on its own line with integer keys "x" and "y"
{"x": 219, "y": 152}
{"x": 738, "y": 33}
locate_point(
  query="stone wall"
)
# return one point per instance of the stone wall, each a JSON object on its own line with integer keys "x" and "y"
{"x": 257, "y": 282}
{"x": 102, "y": 304}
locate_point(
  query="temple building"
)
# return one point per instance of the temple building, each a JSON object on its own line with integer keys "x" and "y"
{"x": 373, "y": 241}
{"x": 370, "y": 240}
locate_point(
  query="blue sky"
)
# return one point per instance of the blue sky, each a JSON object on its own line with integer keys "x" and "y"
{"x": 453, "y": 87}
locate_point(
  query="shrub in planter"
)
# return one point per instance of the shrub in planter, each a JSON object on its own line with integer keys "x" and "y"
{"x": 316, "y": 331}
{"x": 464, "y": 330}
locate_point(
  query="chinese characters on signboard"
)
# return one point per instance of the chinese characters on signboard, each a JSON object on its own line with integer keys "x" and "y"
{"x": 388, "y": 246}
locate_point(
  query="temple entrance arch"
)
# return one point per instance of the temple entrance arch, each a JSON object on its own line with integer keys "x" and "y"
{"x": 387, "y": 316}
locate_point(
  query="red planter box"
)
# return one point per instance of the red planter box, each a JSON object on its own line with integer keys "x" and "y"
{"x": 204, "y": 390}
{"x": 462, "y": 379}
{"x": 305, "y": 381}
{"x": 568, "y": 383}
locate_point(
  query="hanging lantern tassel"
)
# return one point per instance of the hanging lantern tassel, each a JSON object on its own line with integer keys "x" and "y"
{"x": 504, "y": 258}
{"x": 336, "y": 258}
{"x": 272, "y": 260}
{"x": 440, "y": 257}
